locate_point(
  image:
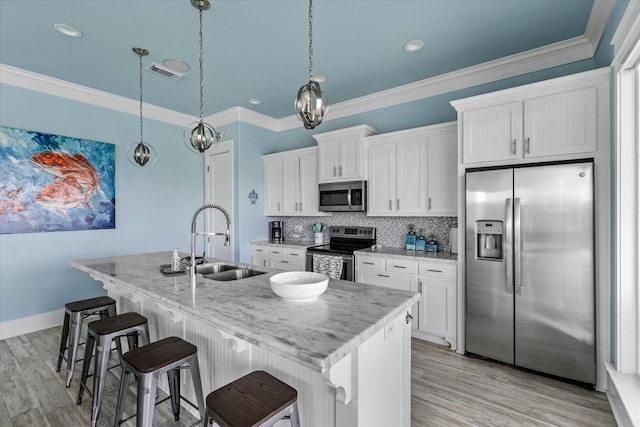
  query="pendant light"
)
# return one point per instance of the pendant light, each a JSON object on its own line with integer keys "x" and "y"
{"x": 142, "y": 153}
{"x": 311, "y": 103}
{"x": 200, "y": 136}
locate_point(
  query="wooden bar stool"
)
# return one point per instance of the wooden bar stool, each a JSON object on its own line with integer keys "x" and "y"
{"x": 104, "y": 331}
{"x": 74, "y": 313}
{"x": 257, "y": 399}
{"x": 147, "y": 363}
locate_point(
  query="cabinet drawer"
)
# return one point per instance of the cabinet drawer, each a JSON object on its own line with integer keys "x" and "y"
{"x": 402, "y": 266}
{"x": 437, "y": 270}
{"x": 373, "y": 263}
{"x": 259, "y": 250}
{"x": 277, "y": 252}
{"x": 296, "y": 253}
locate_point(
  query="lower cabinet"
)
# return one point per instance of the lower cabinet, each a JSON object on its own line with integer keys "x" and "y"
{"x": 435, "y": 317}
{"x": 280, "y": 258}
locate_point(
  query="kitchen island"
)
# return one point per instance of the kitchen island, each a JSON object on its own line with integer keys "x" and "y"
{"x": 347, "y": 352}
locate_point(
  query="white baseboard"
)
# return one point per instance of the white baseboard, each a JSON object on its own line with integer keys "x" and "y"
{"x": 623, "y": 392}
{"x": 26, "y": 325}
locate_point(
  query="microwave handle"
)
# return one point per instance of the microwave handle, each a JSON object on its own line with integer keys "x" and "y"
{"x": 349, "y": 197}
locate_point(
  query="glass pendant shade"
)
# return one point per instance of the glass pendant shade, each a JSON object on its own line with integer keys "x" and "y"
{"x": 200, "y": 136}
{"x": 141, "y": 154}
{"x": 311, "y": 104}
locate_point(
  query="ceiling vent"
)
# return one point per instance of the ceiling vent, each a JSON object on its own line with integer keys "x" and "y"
{"x": 164, "y": 71}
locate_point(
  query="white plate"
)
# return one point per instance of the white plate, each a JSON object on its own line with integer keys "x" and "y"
{"x": 299, "y": 285}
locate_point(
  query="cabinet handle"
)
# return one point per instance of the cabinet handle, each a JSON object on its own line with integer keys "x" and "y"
{"x": 258, "y": 250}
{"x": 434, "y": 271}
{"x": 300, "y": 206}
{"x": 390, "y": 205}
{"x": 526, "y": 145}
{"x": 429, "y": 203}
{"x": 513, "y": 147}
{"x": 397, "y": 204}
{"x": 264, "y": 263}
{"x": 278, "y": 206}
{"x": 293, "y": 254}
{"x": 275, "y": 252}
{"x": 284, "y": 261}
{"x": 420, "y": 287}
{"x": 399, "y": 266}
{"x": 383, "y": 275}
{"x": 340, "y": 170}
{"x": 367, "y": 262}
{"x": 335, "y": 171}
{"x": 296, "y": 207}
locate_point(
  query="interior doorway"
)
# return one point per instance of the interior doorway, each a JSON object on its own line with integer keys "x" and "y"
{"x": 219, "y": 190}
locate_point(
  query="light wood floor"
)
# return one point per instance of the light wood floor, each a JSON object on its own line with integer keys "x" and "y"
{"x": 447, "y": 390}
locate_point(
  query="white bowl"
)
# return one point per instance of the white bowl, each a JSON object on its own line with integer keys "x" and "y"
{"x": 299, "y": 285}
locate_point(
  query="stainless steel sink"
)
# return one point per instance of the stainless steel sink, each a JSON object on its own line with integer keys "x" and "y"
{"x": 210, "y": 268}
{"x": 236, "y": 274}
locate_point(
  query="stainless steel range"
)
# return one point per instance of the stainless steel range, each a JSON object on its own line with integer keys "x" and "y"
{"x": 343, "y": 241}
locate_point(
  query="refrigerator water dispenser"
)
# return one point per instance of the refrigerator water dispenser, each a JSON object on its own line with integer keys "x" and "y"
{"x": 489, "y": 240}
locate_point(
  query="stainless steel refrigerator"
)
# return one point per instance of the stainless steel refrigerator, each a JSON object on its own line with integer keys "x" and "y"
{"x": 530, "y": 268}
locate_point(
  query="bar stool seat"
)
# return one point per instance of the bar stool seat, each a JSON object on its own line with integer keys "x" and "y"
{"x": 74, "y": 313}
{"x": 257, "y": 399}
{"x": 104, "y": 331}
{"x": 147, "y": 363}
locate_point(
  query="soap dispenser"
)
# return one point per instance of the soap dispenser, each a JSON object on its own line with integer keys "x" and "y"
{"x": 410, "y": 238}
{"x": 175, "y": 260}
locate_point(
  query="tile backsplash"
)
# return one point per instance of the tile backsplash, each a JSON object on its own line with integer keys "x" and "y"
{"x": 390, "y": 230}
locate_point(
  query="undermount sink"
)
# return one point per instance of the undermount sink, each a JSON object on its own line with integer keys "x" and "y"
{"x": 235, "y": 274}
{"x": 210, "y": 268}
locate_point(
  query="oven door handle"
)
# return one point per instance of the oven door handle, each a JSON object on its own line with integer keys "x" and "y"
{"x": 349, "y": 197}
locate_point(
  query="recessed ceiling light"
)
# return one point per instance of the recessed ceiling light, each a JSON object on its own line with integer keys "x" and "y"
{"x": 255, "y": 101}
{"x": 414, "y": 45}
{"x": 176, "y": 65}
{"x": 319, "y": 78}
{"x": 67, "y": 30}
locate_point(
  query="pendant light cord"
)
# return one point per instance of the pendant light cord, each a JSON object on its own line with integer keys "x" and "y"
{"x": 201, "y": 67}
{"x": 140, "y": 55}
{"x": 310, "y": 39}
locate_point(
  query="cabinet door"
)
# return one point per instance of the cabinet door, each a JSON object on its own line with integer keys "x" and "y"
{"x": 437, "y": 307}
{"x": 561, "y": 124}
{"x": 351, "y": 157}
{"x": 493, "y": 133}
{"x": 273, "y": 186}
{"x": 260, "y": 260}
{"x": 328, "y": 153}
{"x": 309, "y": 195}
{"x": 382, "y": 179}
{"x": 411, "y": 176}
{"x": 290, "y": 185}
{"x": 442, "y": 175}
{"x": 286, "y": 264}
{"x": 403, "y": 282}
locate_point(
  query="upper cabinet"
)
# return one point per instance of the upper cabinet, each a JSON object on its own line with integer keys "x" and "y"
{"x": 342, "y": 154}
{"x": 556, "y": 118}
{"x": 413, "y": 172}
{"x": 291, "y": 183}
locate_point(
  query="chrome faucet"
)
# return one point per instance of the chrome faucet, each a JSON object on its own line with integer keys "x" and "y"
{"x": 227, "y": 241}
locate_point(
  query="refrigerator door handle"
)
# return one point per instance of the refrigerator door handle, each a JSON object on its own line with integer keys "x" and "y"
{"x": 517, "y": 245}
{"x": 507, "y": 245}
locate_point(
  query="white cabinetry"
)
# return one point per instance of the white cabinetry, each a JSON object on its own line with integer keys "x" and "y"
{"x": 413, "y": 172}
{"x": 342, "y": 154}
{"x": 560, "y": 117}
{"x": 435, "y": 317}
{"x": 291, "y": 183}
{"x": 278, "y": 257}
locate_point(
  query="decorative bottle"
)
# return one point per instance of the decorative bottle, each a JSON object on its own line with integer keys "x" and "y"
{"x": 410, "y": 238}
{"x": 175, "y": 260}
{"x": 421, "y": 241}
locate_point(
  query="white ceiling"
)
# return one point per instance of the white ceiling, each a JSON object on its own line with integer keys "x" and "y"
{"x": 259, "y": 48}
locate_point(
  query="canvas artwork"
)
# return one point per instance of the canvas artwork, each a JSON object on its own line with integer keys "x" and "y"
{"x": 55, "y": 183}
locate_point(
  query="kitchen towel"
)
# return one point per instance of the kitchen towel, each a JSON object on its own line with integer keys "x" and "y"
{"x": 330, "y": 265}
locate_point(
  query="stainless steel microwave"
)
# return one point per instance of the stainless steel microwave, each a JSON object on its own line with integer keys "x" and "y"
{"x": 343, "y": 196}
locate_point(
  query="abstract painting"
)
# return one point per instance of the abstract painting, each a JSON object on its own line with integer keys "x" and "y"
{"x": 55, "y": 183}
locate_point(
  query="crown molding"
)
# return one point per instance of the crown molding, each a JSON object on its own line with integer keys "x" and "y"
{"x": 553, "y": 55}
{"x": 40, "y": 83}
{"x": 626, "y": 37}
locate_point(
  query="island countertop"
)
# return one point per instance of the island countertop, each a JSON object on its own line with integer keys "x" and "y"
{"x": 316, "y": 333}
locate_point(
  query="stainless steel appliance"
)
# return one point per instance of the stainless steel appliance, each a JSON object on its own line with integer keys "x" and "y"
{"x": 530, "y": 268}
{"x": 343, "y": 241}
{"x": 276, "y": 230}
{"x": 343, "y": 196}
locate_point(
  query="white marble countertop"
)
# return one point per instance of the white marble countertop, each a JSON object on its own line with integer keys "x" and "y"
{"x": 399, "y": 253}
{"x": 316, "y": 334}
{"x": 293, "y": 244}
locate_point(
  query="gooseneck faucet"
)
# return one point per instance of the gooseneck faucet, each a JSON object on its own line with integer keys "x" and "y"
{"x": 227, "y": 241}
